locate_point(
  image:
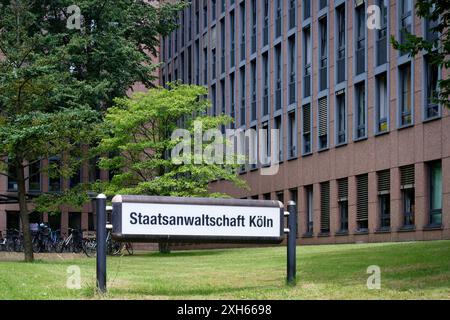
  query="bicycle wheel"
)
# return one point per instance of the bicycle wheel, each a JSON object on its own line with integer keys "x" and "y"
{"x": 129, "y": 248}
{"x": 36, "y": 245}
{"x": 90, "y": 247}
{"x": 116, "y": 248}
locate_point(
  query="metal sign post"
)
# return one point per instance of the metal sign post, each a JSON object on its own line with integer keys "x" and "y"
{"x": 292, "y": 243}
{"x": 101, "y": 242}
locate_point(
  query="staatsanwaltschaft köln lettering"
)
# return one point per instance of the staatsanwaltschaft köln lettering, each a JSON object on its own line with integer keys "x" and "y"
{"x": 203, "y": 220}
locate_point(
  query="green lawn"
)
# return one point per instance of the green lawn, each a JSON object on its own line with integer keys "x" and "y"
{"x": 418, "y": 270}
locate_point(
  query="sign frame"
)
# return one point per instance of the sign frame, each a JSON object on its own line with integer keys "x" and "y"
{"x": 116, "y": 218}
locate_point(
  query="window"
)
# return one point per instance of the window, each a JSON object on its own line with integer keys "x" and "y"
{"x": 292, "y": 70}
{"x": 205, "y": 66}
{"x": 360, "y": 45}
{"x": 325, "y": 207}
{"x": 435, "y": 192}
{"x": 197, "y": 17}
{"x": 188, "y": 65}
{"x": 381, "y": 37}
{"x": 266, "y": 196}
{"x": 384, "y": 199}
{"x": 292, "y": 9}
{"x": 222, "y": 97}
{"x": 189, "y": 22}
{"x": 213, "y": 10}
{"x": 242, "y": 30}
{"x": 54, "y": 179}
{"x": 252, "y": 147}
{"x": 306, "y": 9}
{"x": 405, "y": 20}
{"x": 242, "y": 96}
{"x": 292, "y": 134}
{"x": 280, "y": 196}
{"x": 405, "y": 95}
{"x": 431, "y": 89}
{"x": 309, "y": 210}
{"x": 360, "y": 112}
{"x": 306, "y": 128}
{"x": 307, "y": 60}
{"x": 340, "y": 56}
{"x": 266, "y": 23}
{"x": 323, "y": 123}
{"x": 265, "y": 65}
{"x": 214, "y": 100}
{"x": 382, "y": 103}
{"x": 75, "y": 179}
{"x": 323, "y": 71}
{"x": 223, "y": 6}
{"x": 183, "y": 23}
{"x": 197, "y": 63}
{"x": 408, "y": 197}
{"x": 277, "y": 126}
{"x": 232, "y": 40}
{"x": 12, "y": 177}
{"x": 205, "y": 14}
{"x": 34, "y": 174}
{"x": 265, "y": 143}
{"x": 341, "y": 118}
{"x": 222, "y": 46}
{"x": 213, "y": 67}
{"x": 343, "y": 204}
{"x": 278, "y": 77}
{"x": 362, "y": 202}
{"x": 232, "y": 101}
{"x": 278, "y": 17}
{"x": 253, "y": 90}
{"x": 254, "y": 19}
{"x": 322, "y": 4}
{"x": 431, "y": 33}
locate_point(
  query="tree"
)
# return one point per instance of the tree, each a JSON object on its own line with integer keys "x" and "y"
{"x": 436, "y": 44}
{"x": 139, "y": 131}
{"x": 56, "y": 80}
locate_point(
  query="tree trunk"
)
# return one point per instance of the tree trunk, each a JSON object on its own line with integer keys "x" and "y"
{"x": 164, "y": 247}
{"x": 27, "y": 245}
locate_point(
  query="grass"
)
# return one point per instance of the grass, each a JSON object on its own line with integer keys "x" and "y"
{"x": 412, "y": 270}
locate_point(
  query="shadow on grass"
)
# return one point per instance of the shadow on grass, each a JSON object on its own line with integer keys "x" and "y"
{"x": 175, "y": 254}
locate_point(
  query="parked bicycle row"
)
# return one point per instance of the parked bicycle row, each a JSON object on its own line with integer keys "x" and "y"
{"x": 44, "y": 239}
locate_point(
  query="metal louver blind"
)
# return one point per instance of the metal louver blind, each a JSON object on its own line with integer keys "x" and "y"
{"x": 343, "y": 189}
{"x": 407, "y": 176}
{"x": 362, "y": 200}
{"x": 323, "y": 116}
{"x": 384, "y": 181}
{"x": 306, "y": 118}
{"x": 325, "y": 206}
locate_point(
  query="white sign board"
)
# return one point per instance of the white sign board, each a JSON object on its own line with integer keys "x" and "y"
{"x": 203, "y": 219}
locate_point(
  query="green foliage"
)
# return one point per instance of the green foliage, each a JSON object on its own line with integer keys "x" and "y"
{"x": 438, "y": 50}
{"x": 138, "y": 132}
{"x": 57, "y": 82}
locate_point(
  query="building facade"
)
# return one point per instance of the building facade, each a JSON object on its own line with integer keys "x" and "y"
{"x": 365, "y": 151}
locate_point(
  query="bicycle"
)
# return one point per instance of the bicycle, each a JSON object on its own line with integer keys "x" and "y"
{"x": 73, "y": 243}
